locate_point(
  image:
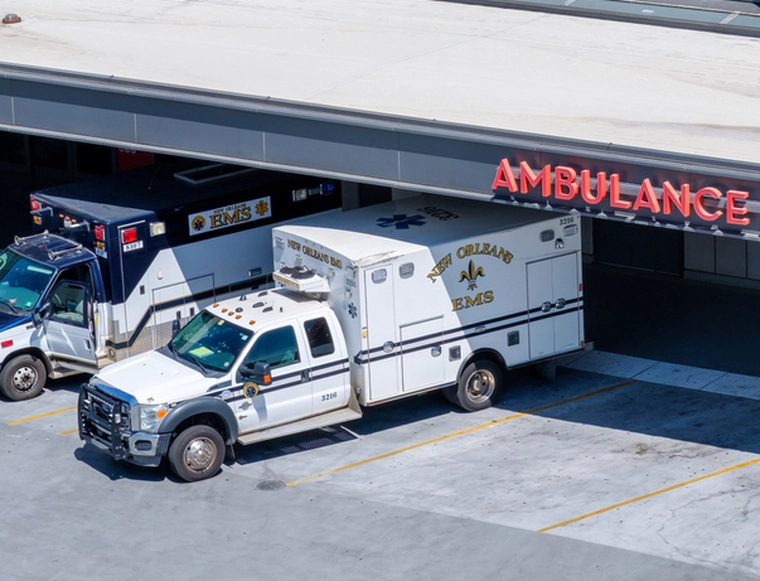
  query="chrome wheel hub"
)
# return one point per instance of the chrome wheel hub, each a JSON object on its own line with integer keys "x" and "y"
{"x": 481, "y": 386}
{"x": 25, "y": 378}
{"x": 200, "y": 454}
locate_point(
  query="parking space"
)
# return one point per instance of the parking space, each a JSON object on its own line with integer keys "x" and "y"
{"x": 617, "y": 477}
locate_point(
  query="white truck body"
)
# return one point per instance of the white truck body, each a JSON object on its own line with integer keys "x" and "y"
{"x": 420, "y": 286}
{"x": 376, "y": 304}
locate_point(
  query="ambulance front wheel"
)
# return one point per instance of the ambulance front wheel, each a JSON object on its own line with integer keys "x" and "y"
{"x": 197, "y": 453}
{"x": 23, "y": 377}
{"x": 478, "y": 387}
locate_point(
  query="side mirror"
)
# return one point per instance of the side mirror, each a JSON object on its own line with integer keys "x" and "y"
{"x": 39, "y": 314}
{"x": 259, "y": 372}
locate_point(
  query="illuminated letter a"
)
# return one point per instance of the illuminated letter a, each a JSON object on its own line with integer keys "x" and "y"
{"x": 504, "y": 177}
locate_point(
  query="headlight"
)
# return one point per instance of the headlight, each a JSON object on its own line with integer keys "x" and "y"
{"x": 151, "y": 416}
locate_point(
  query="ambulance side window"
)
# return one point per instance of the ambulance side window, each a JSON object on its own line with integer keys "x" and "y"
{"x": 79, "y": 273}
{"x": 67, "y": 304}
{"x": 277, "y": 347}
{"x": 320, "y": 338}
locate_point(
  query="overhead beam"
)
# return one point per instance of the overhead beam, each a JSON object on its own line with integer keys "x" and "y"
{"x": 365, "y": 147}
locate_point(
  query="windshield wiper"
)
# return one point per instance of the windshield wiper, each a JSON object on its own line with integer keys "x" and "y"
{"x": 199, "y": 363}
{"x": 10, "y": 304}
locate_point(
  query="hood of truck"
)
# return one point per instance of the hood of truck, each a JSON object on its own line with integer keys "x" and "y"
{"x": 155, "y": 378}
{"x": 8, "y": 321}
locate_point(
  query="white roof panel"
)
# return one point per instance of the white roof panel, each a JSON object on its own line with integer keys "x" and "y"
{"x": 611, "y": 82}
{"x": 407, "y": 224}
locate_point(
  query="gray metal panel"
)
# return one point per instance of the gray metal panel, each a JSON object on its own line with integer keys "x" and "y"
{"x": 6, "y": 104}
{"x": 699, "y": 252}
{"x": 454, "y": 164}
{"x": 203, "y": 130}
{"x": 731, "y": 257}
{"x": 70, "y": 110}
{"x": 332, "y": 147}
{"x": 753, "y": 260}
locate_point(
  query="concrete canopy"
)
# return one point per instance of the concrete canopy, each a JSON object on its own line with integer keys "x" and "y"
{"x": 409, "y": 93}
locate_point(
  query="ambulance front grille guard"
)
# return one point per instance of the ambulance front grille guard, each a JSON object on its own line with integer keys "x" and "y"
{"x": 103, "y": 419}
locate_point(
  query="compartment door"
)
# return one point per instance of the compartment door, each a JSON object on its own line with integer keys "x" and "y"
{"x": 422, "y": 361}
{"x": 554, "y": 319}
{"x": 381, "y": 333}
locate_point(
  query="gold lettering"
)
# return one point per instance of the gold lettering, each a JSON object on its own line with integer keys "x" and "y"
{"x": 438, "y": 269}
{"x": 470, "y": 302}
{"x": 466, "y": 302}
{"x": 505, "y": 255}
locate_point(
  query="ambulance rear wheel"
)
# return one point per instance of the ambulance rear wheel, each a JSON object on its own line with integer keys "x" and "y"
{"x": 478, "y": 387}
{"x": 197, "y": 453}
{"x": 23, "y": 377}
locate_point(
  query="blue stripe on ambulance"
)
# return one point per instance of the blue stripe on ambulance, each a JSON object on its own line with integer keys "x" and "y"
{"x": 420, "y": 343}
{"x": 285, "y": 381}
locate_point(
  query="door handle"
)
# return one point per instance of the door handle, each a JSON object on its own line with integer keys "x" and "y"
{"x": 546, "y": 307}
{"x": 306, "y": 375}
{"x": 560, "y": 304}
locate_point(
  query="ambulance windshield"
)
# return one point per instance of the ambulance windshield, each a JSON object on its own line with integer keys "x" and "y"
{"x": 22, "y": 281}
{"x": 210, "y": 343}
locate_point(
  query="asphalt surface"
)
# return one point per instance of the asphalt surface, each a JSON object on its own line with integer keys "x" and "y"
{"x": 586, "y": 477}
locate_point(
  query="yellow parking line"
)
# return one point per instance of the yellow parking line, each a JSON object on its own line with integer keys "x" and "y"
{"x": 650, "y": 495}
{"x": 456, "y": 434}
{"x": 40, "y": 416}
{"x": 69, "y": 432}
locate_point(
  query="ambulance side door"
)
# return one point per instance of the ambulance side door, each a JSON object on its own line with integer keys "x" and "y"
{"x": 329, "y": 371}
{"x": 288, "y": 397}
{"x": 68, "y": 326}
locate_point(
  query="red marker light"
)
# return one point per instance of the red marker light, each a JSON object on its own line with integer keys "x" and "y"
{"x": 129, "y": 235}
{"x": 35, "y": 204}
{"x": 100, "y": 232}
{"x": 8, "y": 343}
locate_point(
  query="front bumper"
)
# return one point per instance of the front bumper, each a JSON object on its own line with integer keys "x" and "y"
{"x": 104, "y": 421}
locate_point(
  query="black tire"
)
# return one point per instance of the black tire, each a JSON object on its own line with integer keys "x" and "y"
{"x": 23, "y": 377}
{"x": 197, "y": 453}
{"x": 478, "y": 387}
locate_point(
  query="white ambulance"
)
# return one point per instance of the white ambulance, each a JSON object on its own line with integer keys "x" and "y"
{"x": 375, "y": 304}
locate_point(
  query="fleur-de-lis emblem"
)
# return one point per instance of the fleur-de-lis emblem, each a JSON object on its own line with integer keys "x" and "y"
{"x": 471, "y": 274}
